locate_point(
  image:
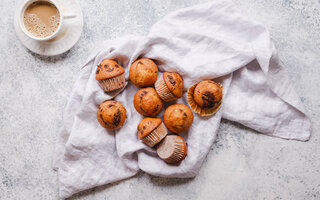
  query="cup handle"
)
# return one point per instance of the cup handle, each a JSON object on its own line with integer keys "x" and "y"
{"x": 69, "y": 16}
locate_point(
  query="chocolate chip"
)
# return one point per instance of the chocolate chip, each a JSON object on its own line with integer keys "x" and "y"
{"x": 117, "y": 66}
{"x": 180, "y": 110}
{"x": 171, "y": 80}
{"x": 116, "y": 118}
{"x": 143, "y": 127}
{"x": 178, "y": 127}
{"x": 140, "y": 63}
{"x": 110, "y": 105}
{"x": 106, "y": 66}
{"x": 97, "y": 72}
{"x": 208, "y": 100}
{"x": 143, "y": 93}
{"x": 184, "y": 114}
{"x": 142, "y": 109}
{"x": 110, "y": 69}
{"x": 106, "y": 123}
{"x": 156, "y": 108}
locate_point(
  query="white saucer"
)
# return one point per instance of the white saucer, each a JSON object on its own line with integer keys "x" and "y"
{"x": 69, "y": 36}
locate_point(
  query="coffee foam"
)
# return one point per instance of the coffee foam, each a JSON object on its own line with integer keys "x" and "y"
{"x": 38, "y": 28}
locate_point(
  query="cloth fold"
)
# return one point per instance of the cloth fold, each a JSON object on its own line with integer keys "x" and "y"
{"x": 207, "y": 41}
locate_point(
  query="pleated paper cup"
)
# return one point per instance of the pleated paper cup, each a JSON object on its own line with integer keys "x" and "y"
{"x": 196, "y": 108}
{"x": 114, "y": 83}
{"x": 163, "y": 90}
{"x": 172, "y": 149}
{"x": 155, "y": 136}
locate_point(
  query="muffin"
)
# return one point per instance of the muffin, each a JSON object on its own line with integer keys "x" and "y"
{"x": 143, "y": 72}
{"x": 205, "y": 97}
{"x": 178, "y": 118}
{"x": 172, "y": 149}
{"x": 111, "y": 114}
{"x": 169, "y": 86}
{"x": 147, "y": 102}
{"x": 110, "y": 75}
{"x": 151, "y": 131}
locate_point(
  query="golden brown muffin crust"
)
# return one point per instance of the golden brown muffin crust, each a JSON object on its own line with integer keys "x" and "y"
{"x": 207, "y": 94}
{"x": 111, "y": 114}
{"x": 108, "y": 69}
{"x": 174, "y": 83}
{"x": 143, "y": 72}
{"x": 147, "y": 125}
{"x": 178, "y": 118}
{"x": 147, "y": 102}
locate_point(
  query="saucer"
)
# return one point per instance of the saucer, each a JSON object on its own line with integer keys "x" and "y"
{"x": 69, "y": 36}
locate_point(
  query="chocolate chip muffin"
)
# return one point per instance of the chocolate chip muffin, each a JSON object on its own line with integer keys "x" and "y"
{"x": 110, "y": 75}
{"x": 205, "y": 97}
{"x": 143, "y": 72}
{"x": 147, "y": 102}
{"x": 111, "y": 114}
{"x": 151, "y": 131}
{"x": 178, "y": 118}
{"x": 172, "y": 149}
{"x": 169, "y": 86}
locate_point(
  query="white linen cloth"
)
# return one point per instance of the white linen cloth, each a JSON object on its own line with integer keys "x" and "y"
{"x": 208, "y": 41}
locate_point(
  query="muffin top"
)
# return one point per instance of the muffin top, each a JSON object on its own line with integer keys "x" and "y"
{"x": 207, "y": 94}
{"x": 147, "y": 102}
{"x": 147, "y": 125}
{"x": 111, "y": 114}
{"x": 178, "y": 118}
{"x": 143, "y": 72}
{"x": 174, "y": 83}
{"x": 108, "y": 69}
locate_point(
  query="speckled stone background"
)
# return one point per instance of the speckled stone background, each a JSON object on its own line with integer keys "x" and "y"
{"x": 242, "y": 163}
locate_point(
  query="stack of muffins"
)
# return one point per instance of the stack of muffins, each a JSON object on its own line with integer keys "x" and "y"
{"x": 204, "y": 98}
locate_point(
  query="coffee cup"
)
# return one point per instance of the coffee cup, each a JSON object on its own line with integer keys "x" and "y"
{"x": 35, "y": 20}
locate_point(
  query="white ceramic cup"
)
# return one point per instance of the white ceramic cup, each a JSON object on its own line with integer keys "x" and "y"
{"x": 63, "y": 16}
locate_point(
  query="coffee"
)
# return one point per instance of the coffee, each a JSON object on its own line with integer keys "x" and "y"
{"x": 41, "y": 19}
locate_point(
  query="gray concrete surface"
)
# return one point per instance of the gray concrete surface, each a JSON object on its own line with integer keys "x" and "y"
{"x": 241, "y": 165}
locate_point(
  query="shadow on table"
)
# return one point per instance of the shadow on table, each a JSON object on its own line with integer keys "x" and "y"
{"x": 158, "y": 181}
{"x": 50, "y": 59}
{"x": 91, "y": 191}
{"x": 163, "y": 182}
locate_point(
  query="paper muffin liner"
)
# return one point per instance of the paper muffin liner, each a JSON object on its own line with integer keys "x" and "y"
{"x": 180, "y": 151}
{"x": 196, "y": 108}
{"x": 155, "y": 136}
{"x": 114, "y": 83}
{"x": 163, "y": 91}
